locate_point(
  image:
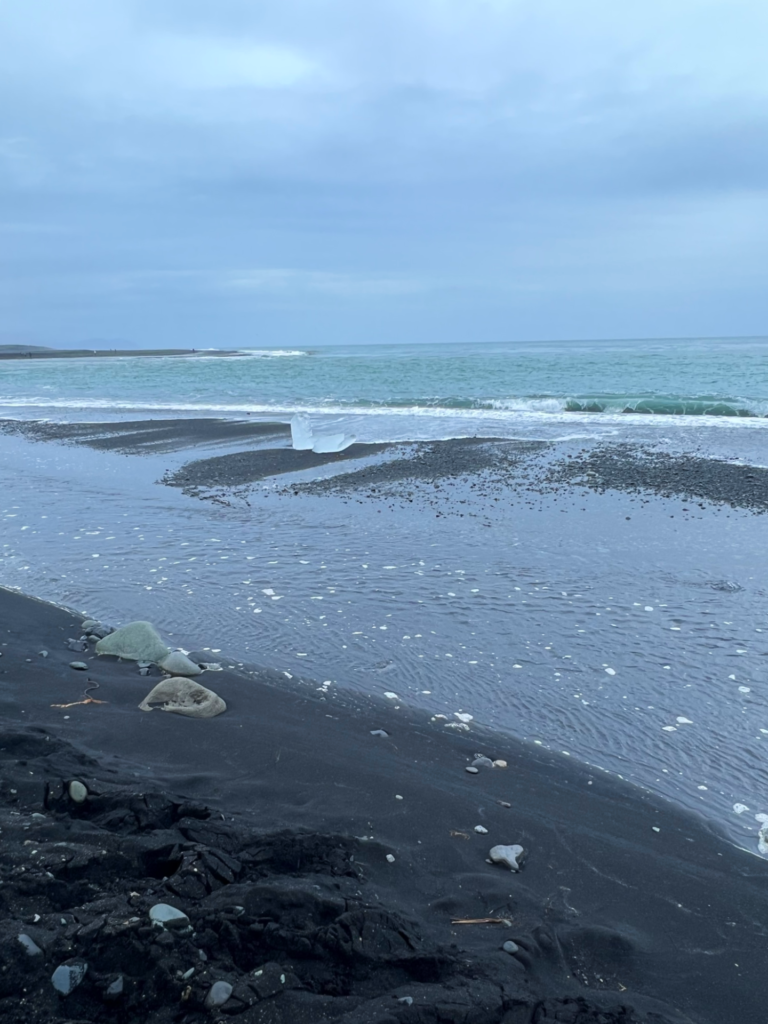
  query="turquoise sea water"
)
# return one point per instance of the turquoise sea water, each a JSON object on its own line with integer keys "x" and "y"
{"x": 397, "y": 391}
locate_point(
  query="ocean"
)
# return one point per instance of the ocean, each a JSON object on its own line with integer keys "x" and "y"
{"x": 627, "y": 631}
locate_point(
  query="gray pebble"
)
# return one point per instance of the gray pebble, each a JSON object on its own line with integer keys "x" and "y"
{"x": 77, "y": 791}
{"x": 77, "y": 645}
{"x": 80, "y": 665}
{"x": 218, "y": 995}
{"x": 88, "y": 625}
{"x": 510, "y": 947}
{"x": 163, "y": 915}
{"x": 472, "y": 771}
{"x": 68, "y": 976}
{"x": 482, "y": 762}
{"x": 116, "y": 988}
{"x": 380, "y": 732}
{"x": 30, "y": 945}
{"x": 509, "y": 856}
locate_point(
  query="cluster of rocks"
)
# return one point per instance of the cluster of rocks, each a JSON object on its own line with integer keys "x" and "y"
{"x": 140, "y": 642}
{"x": 117, "y": 905}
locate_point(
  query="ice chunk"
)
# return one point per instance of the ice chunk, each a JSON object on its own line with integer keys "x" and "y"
{"x": 301, "y": 433}
{"x": 332, "y": 442}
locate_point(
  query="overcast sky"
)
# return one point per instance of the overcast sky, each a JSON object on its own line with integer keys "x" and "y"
{"x": 304, "y": 172}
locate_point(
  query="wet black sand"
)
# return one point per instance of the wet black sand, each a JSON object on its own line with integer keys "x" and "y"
{"x": 254, "y": 825}
{"x": 136, "y": 437}
{"x": 526, "y": 467}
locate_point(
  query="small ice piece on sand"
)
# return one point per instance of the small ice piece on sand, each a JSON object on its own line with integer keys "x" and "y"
{"x": 380, "y": 732}
{"x": 762, "y": 836}
{"x": 482, "y": 762}
{"x": 390, "y": 859}
{"x": 463, "y": 716}
{"x": 481, "y": 830}
{"x": 499, "y": 763}
{"x": 391, "y": 696}
{"x": 611, "y": 671}
{"x": 683, "y": 721}
{"x": 301, "y": 433}
{"x": 740, "y": 808}
{"x": 509, "y": 856}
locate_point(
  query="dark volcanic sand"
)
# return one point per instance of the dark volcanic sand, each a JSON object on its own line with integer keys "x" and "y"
{"x": 42, "y": 352}
{"x": 134, "y": 437}
{"x": 254, "y": 825}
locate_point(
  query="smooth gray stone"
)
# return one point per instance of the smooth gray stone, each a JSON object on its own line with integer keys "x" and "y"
{"x": 68, "y": 976}
{"x": 30, "y": 945}
{"x": 77, "y": 791}
{"x": 510, "y": 947}
{"x": 178, "y": 664}
{"x": 472, "y": 770}
{"x": 510, "y": 856}
{"x": 77, "y": 645}
{"x": 482, "y": 762}
{"x": 79, "y": 665}
{"x": 163, "y": 915}
{"x": 89, "y": 624}
{"x": 138, "y": 641}
{"x": 218, "y": 995}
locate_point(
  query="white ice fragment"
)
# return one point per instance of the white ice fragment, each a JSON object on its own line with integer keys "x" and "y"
{"x": 301, "y": 433}
{"x": 391, "y": 696}
{"x": 332, "y": 442}
{"x": 683, "y": 721}
{"x": 744, "y": 689}
{"x": 648, "y": 608}
{"x": 390, "y": 859}
{"x": 669, "y": 728}
{"x": 740, "y": 808}
{"x": 611, "y": 671}
{"x": 463, "y": 716}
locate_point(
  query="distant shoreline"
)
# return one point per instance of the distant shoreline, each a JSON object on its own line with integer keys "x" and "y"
{"x": 38, "y": 352}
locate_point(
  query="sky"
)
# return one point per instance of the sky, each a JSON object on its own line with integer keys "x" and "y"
{"x": 305, "y": 172}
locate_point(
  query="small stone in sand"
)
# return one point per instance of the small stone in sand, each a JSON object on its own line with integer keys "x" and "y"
{"x": 510, "y": 947}
{"x": 390, "y": 859}
{"x": 482, "y": 762}
{"x": 471, "y": 770}
{"x": 88, "y": 624}
{"x": 68, "y": 976}
{"x": 509, "y": 856}
{"x": 30, "y": 945}
{"x": 218, "y": 995}
{"x": 499, "y": 764}
{"x": 77, "y": 792}
{"x": 178, "y": 664}
{"x": 163, "y": 915}
{"x": 79, "y": 665}
{"x": 116, "y": 988}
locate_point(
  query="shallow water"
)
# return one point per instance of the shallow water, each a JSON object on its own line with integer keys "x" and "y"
{"x": 636, "y": 644}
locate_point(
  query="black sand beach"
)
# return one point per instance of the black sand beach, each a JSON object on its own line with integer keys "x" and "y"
{"x": 271, "y": 828}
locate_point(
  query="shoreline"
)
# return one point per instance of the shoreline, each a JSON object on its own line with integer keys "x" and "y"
{"x": 40, "y": 352}
{"x": 625, "y": 906}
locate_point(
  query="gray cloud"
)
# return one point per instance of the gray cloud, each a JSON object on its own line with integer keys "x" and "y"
{"x": 392, "y": 170}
